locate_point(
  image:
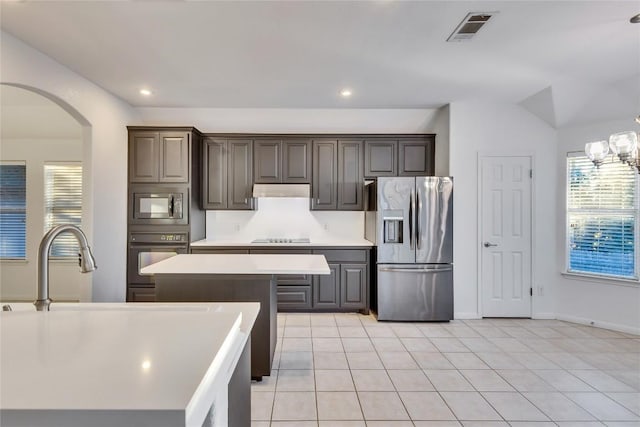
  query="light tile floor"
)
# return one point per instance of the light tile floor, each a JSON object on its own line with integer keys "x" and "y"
{"x": 348, "y": 370}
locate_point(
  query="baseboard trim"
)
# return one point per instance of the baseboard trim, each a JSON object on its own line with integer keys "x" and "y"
{"x": 599, "y": 324}
{"x": 544, "y": 316}
{"x": 463, "y": 316}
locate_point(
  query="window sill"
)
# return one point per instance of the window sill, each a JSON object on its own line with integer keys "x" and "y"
{"x": 13, "y": 261}
{"x": 630, "y": 283}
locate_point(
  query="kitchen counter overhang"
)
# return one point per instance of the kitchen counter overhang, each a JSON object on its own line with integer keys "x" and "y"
{"x": 235, "y": 278}
{"x": 119, "y": 364}
{"x": 240, "y": 264}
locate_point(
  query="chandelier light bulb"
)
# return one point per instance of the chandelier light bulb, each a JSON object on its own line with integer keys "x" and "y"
{"x": 597, "y": 151}
{"x": 624, "y": 144}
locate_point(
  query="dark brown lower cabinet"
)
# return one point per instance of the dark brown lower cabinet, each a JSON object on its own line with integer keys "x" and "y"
{"x": 141, "y": 294}
{"x": 353, "y": 282}
{"x": 344, "y": 288}
{"x": 294, "y": 297}
{"x": 326, "y": 289}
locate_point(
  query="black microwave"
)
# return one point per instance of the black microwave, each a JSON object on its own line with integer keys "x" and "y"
{"x": 159, "y": 206}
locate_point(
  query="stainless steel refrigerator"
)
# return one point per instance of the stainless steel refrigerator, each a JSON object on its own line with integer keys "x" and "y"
{"x": 411, "y": 221}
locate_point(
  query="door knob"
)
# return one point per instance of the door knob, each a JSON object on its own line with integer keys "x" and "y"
{"x": 488, "y": 245}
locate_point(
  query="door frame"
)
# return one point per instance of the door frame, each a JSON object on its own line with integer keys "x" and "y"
{"x": 484, "y": 154}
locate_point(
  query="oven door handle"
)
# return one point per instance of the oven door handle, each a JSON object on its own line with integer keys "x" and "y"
{"x": 139, "y": 246}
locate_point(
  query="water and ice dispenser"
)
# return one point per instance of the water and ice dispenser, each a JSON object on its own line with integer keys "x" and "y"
{"x": 393, "y": 225}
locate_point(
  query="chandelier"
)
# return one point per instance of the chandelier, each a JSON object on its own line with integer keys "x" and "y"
{"x": 623, "y": 144}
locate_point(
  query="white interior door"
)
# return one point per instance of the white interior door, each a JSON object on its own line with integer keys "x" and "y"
{"x": 505, "y": 245}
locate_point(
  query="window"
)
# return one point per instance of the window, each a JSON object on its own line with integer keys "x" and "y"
{"x": 13, "y": 210}
{"x": 602, "y": 219}
{"x": 63, "y": 204}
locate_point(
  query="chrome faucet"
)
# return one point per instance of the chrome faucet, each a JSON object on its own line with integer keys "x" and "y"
{"x": 87, "y": 262}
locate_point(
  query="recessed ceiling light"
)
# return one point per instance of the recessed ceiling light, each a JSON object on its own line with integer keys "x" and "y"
{"x": 145, "y": 92}
{"x": 345, "y": 93}
{"x": 635, "y": 19}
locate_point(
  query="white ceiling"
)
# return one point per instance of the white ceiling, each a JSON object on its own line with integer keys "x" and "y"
{"x": 299, "y": 54}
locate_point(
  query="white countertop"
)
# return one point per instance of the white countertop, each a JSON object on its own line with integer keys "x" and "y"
{"x": 155, "y": 364}
{"x": 240, "y": 264}
{"x": 314, "y": 243}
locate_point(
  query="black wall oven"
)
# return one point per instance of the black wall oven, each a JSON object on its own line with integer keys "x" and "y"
{"x": 146, "y": 248}
{"x": 158, "y": 205}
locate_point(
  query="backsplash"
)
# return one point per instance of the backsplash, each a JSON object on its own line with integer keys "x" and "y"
{"x": 284, "y": 217}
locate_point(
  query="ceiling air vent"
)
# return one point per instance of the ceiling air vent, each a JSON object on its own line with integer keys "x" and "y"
{"x": 469, "y": 26}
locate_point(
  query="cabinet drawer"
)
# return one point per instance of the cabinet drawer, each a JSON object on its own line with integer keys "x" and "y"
{"x": 343, "y": 255}
{"x": 140, "y": 294}
{"x": 294, "y": 297}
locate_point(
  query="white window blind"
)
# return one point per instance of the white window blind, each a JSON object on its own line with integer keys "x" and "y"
{"x": 602, "y": 218}
{"x": 13, "y": 210}
{"x": 63, "y": 204}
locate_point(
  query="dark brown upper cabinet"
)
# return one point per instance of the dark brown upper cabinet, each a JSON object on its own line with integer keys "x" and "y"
{"x": 214, "y": 173}
{"x": 267, "y": 161}
{"x": 296, "y": 161}
{"x": 350, "y": 175}
{"x": 240, "y": 168}
{"x": 160, "y": 157}
{"x": 337, "y": 175}
{"x": 380, "y": 158}
{"x": 416, "y": 157}
{"x": 227, "y": 174}
{"x": 401, "y": 156}
{"x": 325, "y": 175}
{"x": 282, "y": 161}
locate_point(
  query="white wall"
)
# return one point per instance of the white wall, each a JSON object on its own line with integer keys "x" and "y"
{"x": 284, "y": 217}
{"x": 307, "y": 120}
{"x": 485, "y": 127}
{"x": 609, "y": 304}
{"x": 18, "y": 278}
{"x": 104, "y": 119}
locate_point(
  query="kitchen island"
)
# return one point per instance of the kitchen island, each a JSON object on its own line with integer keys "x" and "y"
{"x": 235, "y": 278}
{"x": 126, "y": 364}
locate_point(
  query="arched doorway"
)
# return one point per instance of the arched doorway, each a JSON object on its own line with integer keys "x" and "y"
{"x": 47, "y": 140}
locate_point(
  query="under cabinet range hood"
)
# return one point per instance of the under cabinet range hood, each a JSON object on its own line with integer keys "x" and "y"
{"x": 282, "y": 190}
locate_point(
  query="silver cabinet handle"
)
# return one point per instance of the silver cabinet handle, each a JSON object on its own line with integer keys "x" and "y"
{"x": 488, "y": 245}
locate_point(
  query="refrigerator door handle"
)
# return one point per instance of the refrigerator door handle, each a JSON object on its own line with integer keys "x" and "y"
{"x": 418, "y": 210}
{"x": 416, "y": 270}
{"x": 412, "y": 202}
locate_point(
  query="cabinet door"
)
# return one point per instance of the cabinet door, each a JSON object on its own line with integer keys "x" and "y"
{"x": 267, "y": 161}
{"x": 240, "y": 165}
{"x": 325, "y": 175}
{"x": 350, "y": 175}
{"x": 380, "y": 158}
{"x": 416, "y": 157}
{"x": 174, "y": 157}
{"x": 353, "y": 281}
{"x": 144, "y": 156}
{"x": 296, "y": 162}
{"x": 326, "y": 289}
{"x": 214, "y": 174}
